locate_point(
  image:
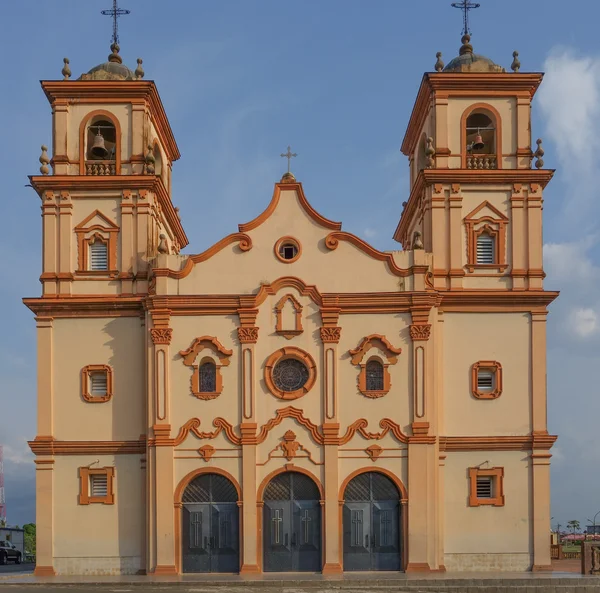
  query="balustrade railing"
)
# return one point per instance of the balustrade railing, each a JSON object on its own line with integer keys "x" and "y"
{"x": 101, "y": 168}
{"x": 482, "y": 161}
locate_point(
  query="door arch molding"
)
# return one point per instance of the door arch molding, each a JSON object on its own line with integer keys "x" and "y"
{"x": 178, "y": 505}
{"x": 260, "y": 508}
{"x": 403, "y": 508}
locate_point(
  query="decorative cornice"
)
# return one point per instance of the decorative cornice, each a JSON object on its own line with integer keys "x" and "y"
{"x": 297, "y": 187}
{"x": 371, "y": 342}
{"x": 189, "y": 355}
{"x": 161, "y": 335}
{"x": 497, "y": 443}
{"x": 420, "y": 332}
{"x": 46, "y": 445}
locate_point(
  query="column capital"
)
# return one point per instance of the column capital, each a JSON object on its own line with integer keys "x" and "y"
{"x": 161, "y": 335}
{"x": 248, "y": 335}
{"x": 331, "y": 335}
{"x": 420, "y": 332}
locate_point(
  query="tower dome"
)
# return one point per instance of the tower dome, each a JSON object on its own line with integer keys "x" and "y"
{"x": 468, "y": 61}
{"x": 113, "y": 69}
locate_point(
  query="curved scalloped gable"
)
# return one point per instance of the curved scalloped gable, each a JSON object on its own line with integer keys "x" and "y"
{"x": 331, "y": 259}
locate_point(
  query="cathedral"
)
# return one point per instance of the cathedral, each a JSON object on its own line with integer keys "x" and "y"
{"x": 292, "y": 399}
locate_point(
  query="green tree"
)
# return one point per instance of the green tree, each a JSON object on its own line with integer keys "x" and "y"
{"x": 29, "y": 529}
{"x": 574, "y": 525}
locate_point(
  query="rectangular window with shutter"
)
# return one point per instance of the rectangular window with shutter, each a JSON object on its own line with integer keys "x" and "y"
{"x": 485, "y": 379}
{"x": 96, "y": 485}
{"x": 98, "y": 256}
{"x": 486, "y": 486}
{"x": 98, "y": 383}
{"x": 485, "y": 249}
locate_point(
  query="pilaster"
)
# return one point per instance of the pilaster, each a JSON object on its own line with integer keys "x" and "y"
{"x": 44, "y": 516}
{"x": 519, "y": 238}
{"x": 50, "y": 243}
{"x": 126, "y": 241}
{"x": 534, "y": 236}
{"x": 456, "y": 233}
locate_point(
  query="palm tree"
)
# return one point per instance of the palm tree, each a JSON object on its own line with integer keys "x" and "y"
{"x": 573, "y": 525}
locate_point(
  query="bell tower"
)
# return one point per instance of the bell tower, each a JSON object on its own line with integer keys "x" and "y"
{"x": 476, "y": 194}
{"x": 106, "y": 189}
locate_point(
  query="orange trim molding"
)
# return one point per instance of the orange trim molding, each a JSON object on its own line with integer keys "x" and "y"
{"x": 291, "y": 241}
{"x": 358, "y": 358}
{"x": 82, "y": 139}
{"x": 297, "y": 187}
{"x": 288, "y": 332}
{"x": 86, "y": 394}
{"x": 332, "y": 242}
{"x": 106, "y": 232}
{"x": 85, "y": 496}
{"x": 44, "y": 571}
{"x": 193, "y": 425}
{"x": 496, "y": 369}
{"x": 495, "y": 226}
{"x": 497, "y": 475}
{"x": 290, "y": 352}
{"x": 463, "y": 130}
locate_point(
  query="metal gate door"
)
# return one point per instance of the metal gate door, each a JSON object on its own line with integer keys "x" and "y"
{"x": 371, "y": 523}
{"x": 210, "y": 529}
{"x": 291, "y": 524}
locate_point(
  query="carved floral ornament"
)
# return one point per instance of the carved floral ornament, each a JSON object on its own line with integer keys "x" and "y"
{"x": 161, "y": 335}
{"x": 420, "y": 332}
{"x": 206, "y": 381}
{"x": 374, "y": 378}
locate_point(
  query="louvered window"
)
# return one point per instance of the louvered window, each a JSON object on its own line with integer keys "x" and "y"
{"x": 98, "y": 485}
{"x": 98, "y": 256}
{"x": 485, "y": 380}
{"x": 485, "y": 249}
{"x": 98, "y": 384}
{"x": 485, "y": 487}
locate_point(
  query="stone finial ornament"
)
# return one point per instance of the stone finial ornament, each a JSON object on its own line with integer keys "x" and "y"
{"x": 516, "y": 65}
{"x": 466, "y": 47}
{"x": 177, "y": 212}
{"x": 139, "y": 71}
{"x": 162, "y": 245}
{"x": 66, "y": 71}
{"x": 45, "y": 160}
{"x": 404, "y": 204}
{"x": 430, "y": 153}
{"x": 439, "y": 65}
{"x": 114, "y": 56}
{"x": 417, "y": 242}
{"x": 150, "y": 160}
{"x": 539, "y": 154}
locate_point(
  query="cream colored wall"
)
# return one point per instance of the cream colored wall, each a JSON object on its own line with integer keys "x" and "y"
{"x": 487, "y": 529}
{"x": 117, "y": 342}
{"x": 501, "y": 337}
{"x": 233, "y": 272}
{"x": 99, "y": 530}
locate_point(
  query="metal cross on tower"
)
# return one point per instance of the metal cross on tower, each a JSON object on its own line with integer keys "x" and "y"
{"x": 115, "y": 12}
{"x": 289, "y": 155}
{"x": 465, "y": 6}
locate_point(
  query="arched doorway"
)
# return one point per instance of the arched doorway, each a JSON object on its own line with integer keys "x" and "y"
{"x": 371, "y": 523}
{"x": 291, "y": 524}
{"x": 210, "y": 525}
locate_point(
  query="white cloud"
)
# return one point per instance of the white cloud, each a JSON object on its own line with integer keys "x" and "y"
{"x": 584, "y": 322}
{"x": 369, "y": 233}
{"x": 565, "y": 262}
{"x": 570, "y": 101}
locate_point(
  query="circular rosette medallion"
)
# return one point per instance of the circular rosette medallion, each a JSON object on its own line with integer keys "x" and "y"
{"x": 290, "y": 373}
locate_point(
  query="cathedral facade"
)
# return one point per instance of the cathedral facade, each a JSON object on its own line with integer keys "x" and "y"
{"x": 292, "y": 399}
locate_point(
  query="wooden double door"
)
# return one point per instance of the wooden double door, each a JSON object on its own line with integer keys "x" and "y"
{"x": 210, "y": 529}
{"x": 291, "y": 524}
{"x": 371, "y": 524}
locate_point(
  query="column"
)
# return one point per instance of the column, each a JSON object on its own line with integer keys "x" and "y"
{"x": 248, "y": 337}
{"x": 65, "y": 229}
{"x": 330, "y": 336}
{"x": 534, "y": 237}
{"x": 519, "y": 238}
{"x": 163, "y": 470}
{"x": 456, "y": 232}
{"x": 423, "y": 470}
{"x": 49, "y": 244}
{"x": 60, "y": 134}
{"x": 126, "y": 243}
{"x": 542, "y": 441}
{"x": 42, "y": 448}
{"x": 439, "y": 236}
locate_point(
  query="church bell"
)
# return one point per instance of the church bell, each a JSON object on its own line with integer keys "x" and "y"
{"x": 478, "y": 144}
{"x": 98, "y": 150}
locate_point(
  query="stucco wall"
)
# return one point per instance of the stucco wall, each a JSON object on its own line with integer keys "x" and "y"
{"x": 99, "y": 538}
{"x": 473, "y": 337}
{"x": 117, "y": 342}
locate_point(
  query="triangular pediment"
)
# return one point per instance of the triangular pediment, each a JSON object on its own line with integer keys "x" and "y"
{"x": 96, "y": 220}
{"x": 486, "y": 210}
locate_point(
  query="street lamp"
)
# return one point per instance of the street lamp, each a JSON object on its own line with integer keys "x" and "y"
{"x": 594, "y": 522}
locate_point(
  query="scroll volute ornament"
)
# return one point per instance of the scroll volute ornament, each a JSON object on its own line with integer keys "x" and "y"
{"x": 359, "y": 358}
{"x": 220, "y": 358}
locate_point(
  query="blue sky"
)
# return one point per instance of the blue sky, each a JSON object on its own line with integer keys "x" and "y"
{"x": 336, "y": 79}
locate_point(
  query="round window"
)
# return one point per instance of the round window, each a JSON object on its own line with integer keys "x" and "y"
{"x": 287, "y": 250}
{"x": 290, "y": 375}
